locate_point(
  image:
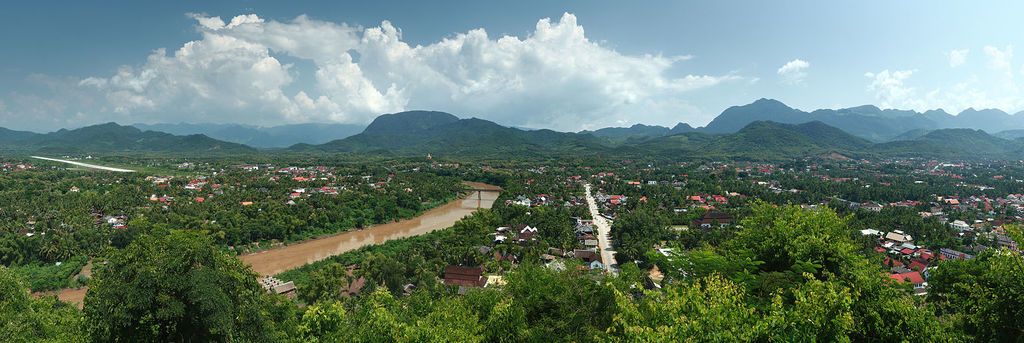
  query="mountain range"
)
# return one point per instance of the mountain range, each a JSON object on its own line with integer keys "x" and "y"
{"x": 423, "y": 132}
{"x": 765, "y": 129}
{"x": 111, "y": 137}
{"x": 868, "y": 121}
{"x": 262, "y": 137}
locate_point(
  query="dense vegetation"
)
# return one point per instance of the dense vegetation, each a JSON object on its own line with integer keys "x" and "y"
{"x": 792, "y": 266}
{"x": 60, "y": 216}
{"x": 789, "y": 273}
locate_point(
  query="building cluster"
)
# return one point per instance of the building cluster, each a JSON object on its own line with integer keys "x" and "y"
{"x": 118, "y": 222}
{"x": 899, "y": 247}
{"x": 15, "y": 166}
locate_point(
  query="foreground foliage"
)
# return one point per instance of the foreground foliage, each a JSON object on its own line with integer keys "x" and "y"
{"x": 177, "y": 287}
{"x": 784, "y": 274}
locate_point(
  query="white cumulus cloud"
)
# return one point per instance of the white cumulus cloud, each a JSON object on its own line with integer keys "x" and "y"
{"x": 793, "y": 72}
{"x": 1000, "y": 60}
{"x": 891, "y": 91}
{"x": 553, "y": 77}
{"x": 958, "y": 57}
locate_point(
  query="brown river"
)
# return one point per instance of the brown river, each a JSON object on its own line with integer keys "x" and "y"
{"x": 276, "y": 260}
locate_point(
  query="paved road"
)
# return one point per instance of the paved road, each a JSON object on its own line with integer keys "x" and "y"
{"x": 603, "y": 229}
{"x": 80, "y": 164}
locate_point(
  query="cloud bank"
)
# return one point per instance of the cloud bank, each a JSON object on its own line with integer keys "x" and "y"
{"x": 555, "y": 77}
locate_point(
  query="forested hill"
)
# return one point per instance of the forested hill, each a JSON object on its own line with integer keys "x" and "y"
{"x": 438, "y": 133}
{"x": 281, "y": 136}
{"x": 111, "y": 137}
{"x": 443, "y": 134}
{"x": 868, "y": 121}
{"x": 423, "y": 132}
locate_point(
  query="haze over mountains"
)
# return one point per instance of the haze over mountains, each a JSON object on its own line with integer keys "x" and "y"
{"x": 868, "y": 121}
{"x": 262, "y": 137}
{"x": 764, "y": 129}
{"x": 422, "y": 132}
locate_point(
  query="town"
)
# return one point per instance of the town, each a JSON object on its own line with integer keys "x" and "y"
{"x": 633, "y": 222}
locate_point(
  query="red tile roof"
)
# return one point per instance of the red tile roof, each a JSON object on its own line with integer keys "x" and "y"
{"x": 912, "y": 277}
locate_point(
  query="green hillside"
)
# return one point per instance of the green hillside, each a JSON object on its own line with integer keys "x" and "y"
{"x": 111, "y": 137}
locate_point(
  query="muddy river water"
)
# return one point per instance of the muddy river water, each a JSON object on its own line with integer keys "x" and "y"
{"x": 273, "y": 261}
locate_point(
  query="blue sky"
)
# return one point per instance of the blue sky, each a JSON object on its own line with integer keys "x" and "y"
{"x": 566, "y": 65}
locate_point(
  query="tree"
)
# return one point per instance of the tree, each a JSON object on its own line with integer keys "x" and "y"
{"x": 713, "y": 309}
{"x": 326, "y": 284}
{"x": 567, "y": 305}
{"x": 25, "y": 319}
{"x": 636, "y": 233}
{"x": 805, "y": 269}
{"x": 323, "y": 322}
{"x": 984, "y": 297}
{"x": 178, "y": 287}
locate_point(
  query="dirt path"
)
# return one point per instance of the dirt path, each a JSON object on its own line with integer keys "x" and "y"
{"x": 73, "y": 296}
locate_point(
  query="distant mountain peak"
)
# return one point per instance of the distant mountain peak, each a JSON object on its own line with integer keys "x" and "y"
{"x": 763, "y": 101}
{"x": 409, "y": 121}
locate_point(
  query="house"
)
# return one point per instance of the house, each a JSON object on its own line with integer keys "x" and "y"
{"x": 898, "y": 237}
{"x": 925, "y": 254}
{"x": 275, "y": 286}
{"x": 526, "y": 233}
{"x": 914, "y": 278}
{"x": 1005, "y": 242}
{"x": 712, "y": 217}
{"x": 870, "y": 206}
{"x": 587, "y": 255}
{"x": 464, "y": 276}
{"x": 917, "y": 266}
{"x": 894, "y": 263}
{"x": 498, "y": 257}
{"x": 870, "y": 232}
{"x": 960, "y": 225}
{"x": 951, "y": 254}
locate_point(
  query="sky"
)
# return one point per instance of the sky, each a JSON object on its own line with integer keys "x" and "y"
{"x": 563, "y": 65}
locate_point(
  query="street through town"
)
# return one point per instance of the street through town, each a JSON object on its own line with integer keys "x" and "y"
{"x": 604, "y": 227}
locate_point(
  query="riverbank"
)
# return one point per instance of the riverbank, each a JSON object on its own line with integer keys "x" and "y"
{"x": 276, "y": 260}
